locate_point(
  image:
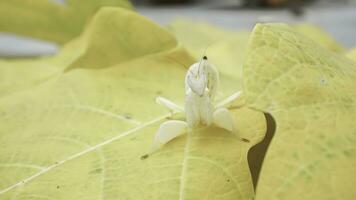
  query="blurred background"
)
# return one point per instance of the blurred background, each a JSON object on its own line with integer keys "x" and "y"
{"x": 337, "y": 17}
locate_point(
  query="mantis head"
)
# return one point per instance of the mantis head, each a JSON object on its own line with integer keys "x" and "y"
{"x": 196, "y": 79}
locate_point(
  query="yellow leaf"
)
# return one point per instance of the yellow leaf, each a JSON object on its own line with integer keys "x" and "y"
{"x": 102, "y": 40}
{"x": 81, "y": 132}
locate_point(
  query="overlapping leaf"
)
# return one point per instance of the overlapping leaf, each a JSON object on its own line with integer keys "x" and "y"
{"x": 311, "y": 94}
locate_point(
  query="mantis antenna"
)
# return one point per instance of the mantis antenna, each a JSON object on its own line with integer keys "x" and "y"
{"x": 203, "y": 57}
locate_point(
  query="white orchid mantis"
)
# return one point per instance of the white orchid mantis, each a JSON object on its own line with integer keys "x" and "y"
{"x": 201, "y": 84}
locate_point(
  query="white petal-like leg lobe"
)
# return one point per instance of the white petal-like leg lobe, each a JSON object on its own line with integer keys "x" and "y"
{"x": 167, "y": 131}
{"x": 223, "y": 119}
{"x": 192, "y": 113}
{"x": 169, "y": 104}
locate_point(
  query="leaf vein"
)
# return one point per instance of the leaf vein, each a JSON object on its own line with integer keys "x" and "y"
{"x": 88, "y": 150}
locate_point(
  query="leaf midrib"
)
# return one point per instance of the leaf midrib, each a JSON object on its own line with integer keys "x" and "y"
{"x": 184, "y": 167}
